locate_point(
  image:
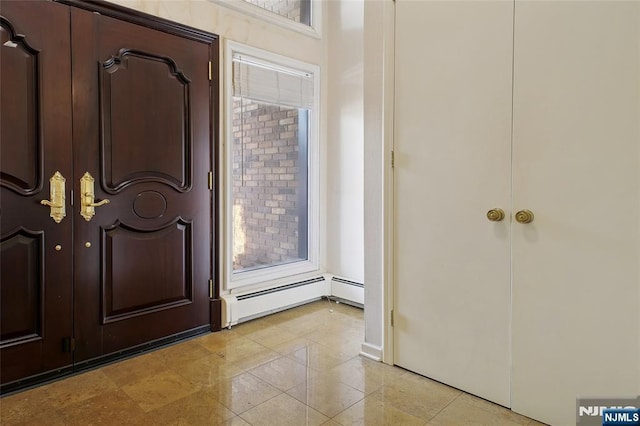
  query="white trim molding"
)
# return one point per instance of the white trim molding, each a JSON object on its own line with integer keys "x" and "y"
{"x": 268, "y": 275}
{"x": 371, "y": 351}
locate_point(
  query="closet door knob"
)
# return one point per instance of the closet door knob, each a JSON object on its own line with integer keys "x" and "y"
{"x": 495, "y": 215}
{"x": 524, "y": 216}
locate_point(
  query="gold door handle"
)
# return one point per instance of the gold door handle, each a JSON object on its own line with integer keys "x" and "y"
{"x": 524, "y": 216}
{"x": 495, "y": 215}
{"x": 87, "y": 197}
{"x": 57, "y": 203}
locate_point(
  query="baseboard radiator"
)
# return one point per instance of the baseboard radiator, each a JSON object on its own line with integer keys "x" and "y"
{"x": 350, "y": 292}
{"x": 240, "y": 307}
{"x": 246, "y": 306}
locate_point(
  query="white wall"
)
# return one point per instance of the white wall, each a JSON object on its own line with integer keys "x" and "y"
{"x": 345, "y": 139}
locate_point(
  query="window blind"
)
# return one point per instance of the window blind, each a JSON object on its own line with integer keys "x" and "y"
{"x": 270, "y": 83}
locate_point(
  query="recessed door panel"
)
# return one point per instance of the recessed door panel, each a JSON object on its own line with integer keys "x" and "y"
{"x": 35, "y": 251}
{"x": 22, "y": 277}
{"x": 21, "y": 165}
{"x": 132, "y": 288}
{"x": 155, "y": 91}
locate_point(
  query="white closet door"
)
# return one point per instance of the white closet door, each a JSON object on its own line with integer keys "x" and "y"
{"x": 452, "y": 164}
{"x": 576, "y": 163}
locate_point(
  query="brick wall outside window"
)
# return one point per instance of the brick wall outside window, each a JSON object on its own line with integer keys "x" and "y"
{"x": 266, "y": 193}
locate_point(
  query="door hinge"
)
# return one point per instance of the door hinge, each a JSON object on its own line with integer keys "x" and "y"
{"x": 68, "y": 344}
{"x": 393, "y": 159}
{"x": 210, "y": 177}
{"x": 392, "y": 318}
{"x": 210, "y": 72}
{"x": 210, "y": 289}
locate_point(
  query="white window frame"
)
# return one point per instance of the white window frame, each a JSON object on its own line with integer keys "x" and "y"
{"x": 313, "y": 30}
{"x": 271, "y": 274}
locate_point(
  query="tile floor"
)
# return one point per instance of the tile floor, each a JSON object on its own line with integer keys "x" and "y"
{"x": 298, "y": 367}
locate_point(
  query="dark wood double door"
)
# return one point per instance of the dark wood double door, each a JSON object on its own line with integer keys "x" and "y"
{"x": 92, "y": 101}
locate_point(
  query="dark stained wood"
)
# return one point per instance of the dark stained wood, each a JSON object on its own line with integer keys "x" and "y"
{"x": 20, "y": 164}
{"x": 36, "y": 280}
{"x": 144, "y": 277}
{"x": 152, "y": 89}
{"x": 144, "y": 19}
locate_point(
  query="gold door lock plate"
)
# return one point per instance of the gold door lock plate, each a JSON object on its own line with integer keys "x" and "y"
{"x": 57, "y": 194}
{"x": 87, "y": 197}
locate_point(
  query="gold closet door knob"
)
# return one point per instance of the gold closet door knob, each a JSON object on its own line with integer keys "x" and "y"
{"x": 524, "y": 216}
{"x": 495, "y": 215}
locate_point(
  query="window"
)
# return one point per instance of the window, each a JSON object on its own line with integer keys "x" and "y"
{"x": 272, "y": 188}
{"x": 296, "y": 10}
{"x": 303, "y": 16}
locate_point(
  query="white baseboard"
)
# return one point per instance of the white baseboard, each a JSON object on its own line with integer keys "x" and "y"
{"x": 371, "y": 351}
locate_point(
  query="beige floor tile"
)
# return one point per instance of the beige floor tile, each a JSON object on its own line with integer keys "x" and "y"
{"x": 133, "y": 369}
{"x": 416, "y": 395}
{"x": 462, "y": 413}
{"x": 220, "y": 340}
{"x": 24, "y": 406}
{"x": 200, "y": 408}
{"x": 364, "y": 374}
{"x": 536, "y": 423}
{"x": 242, "y": 392}
{"x": 258, "y": 358}
{"x": 291, "y": 345}
{"x": 108, "y": 408}
{"x": 182, "y": 353}
{"x": 271, "y": 336}
{"x": 326, "y": 394}
{"x": 36, "y": 418}
{"x": 282, "y": 373}
{"x": 465, "y": 400}
{"x": 209, "y": 370}
{"x": 319, "y": 357}
{"x": 159, "y": 390}
{"x": 79, "y": 388}
{"x": 283, "y": 410}
{"x": 236, "y": 349}
{"x": 372, "y": 412}
{"x": 254, "y": 325}
{"x": 345, "y": 341}
{"x": 236, "y": 421}
{"x": 302, "y": 326}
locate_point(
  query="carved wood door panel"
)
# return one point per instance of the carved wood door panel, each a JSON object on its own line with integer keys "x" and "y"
{"x": 35, "y": 143}
{"x": 142, "y": 130}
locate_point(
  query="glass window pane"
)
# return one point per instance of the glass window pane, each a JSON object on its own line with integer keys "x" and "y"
{"x": 296, "y": 10}
{"x": 269, "y": 184}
